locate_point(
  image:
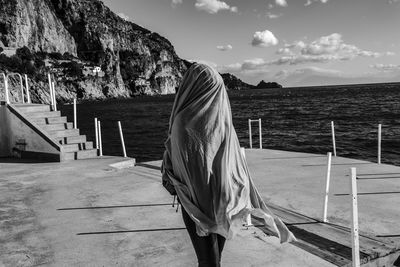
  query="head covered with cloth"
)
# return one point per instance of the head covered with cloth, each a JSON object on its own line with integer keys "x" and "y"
{"x": 204, "y": 162}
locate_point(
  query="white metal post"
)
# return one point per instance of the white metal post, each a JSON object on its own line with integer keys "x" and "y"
{"x": 96, "y": 131}
{"x": 355, "y": 243}
{"x": 379, "y": 142}
{"x": 250, "y": 137}
{"x": 54, "y": 96}
{"x": 328, "y": 178}
{"x": 50, "y": 90}
{"x": 333, "y": 138}
{"x": 121, "y": 135}
{"x": 75, "y": 121}
{"x": 260, "y": 132}
{"x": 6, "y": 88}
{"x": 22, "y": 87}
{"x": 100, "y": 143}
{"x": 28, "y": 95}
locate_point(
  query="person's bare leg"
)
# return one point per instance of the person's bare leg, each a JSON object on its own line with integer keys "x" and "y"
{"x": 206, "y": 247}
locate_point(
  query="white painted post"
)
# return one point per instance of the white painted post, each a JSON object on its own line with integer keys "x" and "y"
{"x": 379, "y": 142}
{"x": 100, "y": 143}
{"x": 355, "y": 243}
{"x": 260, "y": 130}
{"x": 328, "y": 178}
{"x": 6, "y": 88}
{"x": 28, "y": 95}
{"x": 75, "y": 121}
{"x": 54, "y": 96}
{"x": 121, "y": 135}
{"x": 22, "y": 87}
{"x": 250, "y": 137}
{"x": 51, "y": 90}
{"x": 333, "y": 138}
{"x": 96, "y": 131}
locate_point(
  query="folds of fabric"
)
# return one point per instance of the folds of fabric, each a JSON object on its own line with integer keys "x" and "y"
{"x": 204, "y": 162}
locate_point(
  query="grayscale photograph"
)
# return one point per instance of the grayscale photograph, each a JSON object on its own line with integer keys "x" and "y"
{"x": 209, "y": 133}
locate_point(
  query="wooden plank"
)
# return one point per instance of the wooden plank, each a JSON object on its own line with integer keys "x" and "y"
{"x": 329, "y": 241}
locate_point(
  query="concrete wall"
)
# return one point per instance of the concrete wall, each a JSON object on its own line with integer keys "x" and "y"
{"x": 4, "y": 132}
{"x": 15, "y": 132}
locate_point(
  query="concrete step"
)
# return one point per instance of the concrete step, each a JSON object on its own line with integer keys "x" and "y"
{"x": 50, "y": 120}
{"x": 44, "y": 114}
{"x": 30, "y": 108}
{"x": 83, "y": 154}
{"x": 64, "y": 133}
{"x": 71, "y": 139}
{"x": 77, "y": 147}
{"x": 57, "y": 126}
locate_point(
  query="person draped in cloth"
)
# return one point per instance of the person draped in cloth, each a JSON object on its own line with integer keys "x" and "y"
{"x": 204, "y": 163}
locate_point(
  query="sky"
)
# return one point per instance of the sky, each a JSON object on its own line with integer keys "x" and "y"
{"x": 293, "y": 42}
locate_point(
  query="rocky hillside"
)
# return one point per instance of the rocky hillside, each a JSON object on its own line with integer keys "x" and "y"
{"x": 265, "y": 85}
{"x": 68, "y": 38}
{"x": 234, "y": 83}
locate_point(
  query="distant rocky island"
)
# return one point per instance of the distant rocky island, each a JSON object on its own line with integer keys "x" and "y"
{"x": 90, "y": 51}
{"x": 266, "y": 85}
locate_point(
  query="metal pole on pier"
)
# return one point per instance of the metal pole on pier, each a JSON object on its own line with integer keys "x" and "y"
{"x": 250, "y": 136}
{"x": 28, "y": 95}
{"x": 260, "y": 132}
{"x": 328, "y": 178}
{"x": 75, "y": 121}
{"x": 96, "y": 131}
{"x": 100, "y": 143}
{"x": 50, "y": 90}
{"x": 355, "y": 242}
{"x": 121, "y": 135}
{"x": 54, "y": 96}
{"x": 379, "y": 142}
{"x": 333, "y": 138}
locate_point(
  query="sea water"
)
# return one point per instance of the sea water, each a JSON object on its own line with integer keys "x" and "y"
{"x": 293, "y": 119}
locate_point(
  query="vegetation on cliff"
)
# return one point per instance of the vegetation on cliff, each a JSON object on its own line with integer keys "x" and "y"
{"x": 71, "y": 35}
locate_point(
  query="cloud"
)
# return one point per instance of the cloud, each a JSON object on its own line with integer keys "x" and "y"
{"x": 177, "y": 2}
{"x": 385, "y": 67}
{"x": 224, "y": 47}
{"x": 324, "y": 49}
{"x": 264, "y": 39}
{"x": 272, "y": 15}
{"x": 123, "y": 16}
{"x": 393, "y": 1}
{"x": 214, "y": 6}
{"x": 309, "y": 2}
{"x": 281, "y": 2}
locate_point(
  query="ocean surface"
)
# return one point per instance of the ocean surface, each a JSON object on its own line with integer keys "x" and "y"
{"x": 293, "y": 119}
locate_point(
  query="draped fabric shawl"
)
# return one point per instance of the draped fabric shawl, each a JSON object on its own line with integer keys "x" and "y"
{"x": 204, "y": 162}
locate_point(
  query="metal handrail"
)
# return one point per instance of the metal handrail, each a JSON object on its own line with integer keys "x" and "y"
{"x": 7, "y": 91}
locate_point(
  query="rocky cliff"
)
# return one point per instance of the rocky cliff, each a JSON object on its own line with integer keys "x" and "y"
{"x": 234, "y": 83}
{"x": 75, "y": 34}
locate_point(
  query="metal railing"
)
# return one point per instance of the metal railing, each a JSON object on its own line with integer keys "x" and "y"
{"x": 26, "y": 87}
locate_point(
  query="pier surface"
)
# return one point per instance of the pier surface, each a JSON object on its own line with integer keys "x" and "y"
{"x": 102, "y": 212}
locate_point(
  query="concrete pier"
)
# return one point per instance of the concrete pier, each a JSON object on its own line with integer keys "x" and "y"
{"x": 102, "y": 212}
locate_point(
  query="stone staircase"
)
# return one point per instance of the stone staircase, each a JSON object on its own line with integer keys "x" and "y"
{"x": 73, "y": 145}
